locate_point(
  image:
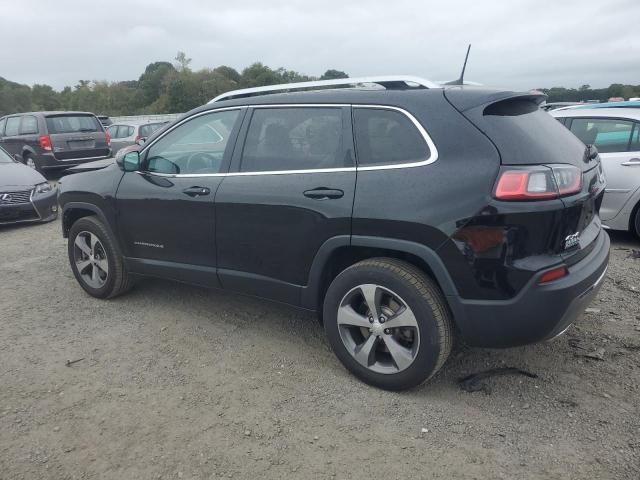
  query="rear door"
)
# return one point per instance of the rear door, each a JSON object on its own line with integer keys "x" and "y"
{"x": 620, "y": 157}
{"x": 76, "y": 135}
{"x": 166, "y": 219}
{"x": 291, "y": 189}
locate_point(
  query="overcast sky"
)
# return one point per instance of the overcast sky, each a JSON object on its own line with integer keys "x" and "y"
{"x": 516, "y": 43}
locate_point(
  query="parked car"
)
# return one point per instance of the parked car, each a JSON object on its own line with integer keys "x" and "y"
{"x": 125, "y": 134}
{"x": 629, "y": 104}
{"x": 53, "y": 140}
{"x": 615, "y": 132}
{"x": 104, "y": 120}
{"x": 25, "y": 195}
{"x": 402, "y": 215}
{"x": 547, "y": 107}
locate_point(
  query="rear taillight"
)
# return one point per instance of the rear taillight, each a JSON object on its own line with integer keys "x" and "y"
{"x": 553, "y": 275}
{"x": 538, "y": 182}
{"x": 45, "y": 142}
{"x": 107, "y": 138}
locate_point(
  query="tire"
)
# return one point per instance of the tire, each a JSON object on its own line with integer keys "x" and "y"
{"x": 408, "y": 301}
{"x": 111, "y": 278}
{"x": 636, "y": 222}
{"x": 30, "y": 161}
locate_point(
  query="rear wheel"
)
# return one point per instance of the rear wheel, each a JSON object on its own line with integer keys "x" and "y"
{"x": 95, "y": 259}
{"x": 636, "y": 222}
{"x": 388, "y": 323}
{"x": 30, "y": 161}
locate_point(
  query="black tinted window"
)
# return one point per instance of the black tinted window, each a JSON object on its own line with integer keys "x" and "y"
{"x": 197, "y": 146}
{"x": 608, "y": 135}
{"x": 13, "y": 126}
{"x": 29, "y": 125}
{"x": 73, "y": 124}
{"x": 385, "y": 137}
{"x": 297, "y": 138}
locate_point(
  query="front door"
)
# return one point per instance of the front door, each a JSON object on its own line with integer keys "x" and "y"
{"x": 290, "y": 189}
{"x": 617, "y": 142}
{"x": 166, "y": 213}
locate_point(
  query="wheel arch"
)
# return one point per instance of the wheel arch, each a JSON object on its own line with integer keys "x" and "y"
{"x": 338, "y": 253}
{"x": 74, "y": 211}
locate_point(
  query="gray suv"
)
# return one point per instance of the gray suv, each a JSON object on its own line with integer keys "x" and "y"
{"x": 50, "y": 140}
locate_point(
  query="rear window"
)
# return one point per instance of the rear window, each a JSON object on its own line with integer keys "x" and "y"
{"x": 524, "y": 134}
{"x": 73, "y": 124}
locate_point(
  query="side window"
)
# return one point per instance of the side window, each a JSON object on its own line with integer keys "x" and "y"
{"x": 387, "y": 137}
{"x": 29, "y": 125}
{"x": 2, "y": 123}
{"x": 294, "y": 138}
{"x": 13, "y": 126}
{"x": 129, "y": 131}
{"x": 635, "y": 138}
{"x": 113, "y": 131}
{"x": 607, "y": 134}
{"x": 197, "y": 146}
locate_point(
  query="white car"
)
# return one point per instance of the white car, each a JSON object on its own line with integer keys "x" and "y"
{"x": 615, "y": 132}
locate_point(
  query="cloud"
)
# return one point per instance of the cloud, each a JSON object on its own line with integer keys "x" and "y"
{"x": 524, "y": 44}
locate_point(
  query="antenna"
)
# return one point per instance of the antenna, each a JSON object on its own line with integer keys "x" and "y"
{"x": 460, "y": 81}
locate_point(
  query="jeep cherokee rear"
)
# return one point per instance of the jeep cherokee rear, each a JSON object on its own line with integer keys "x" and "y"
{"x": 399, "y": 214}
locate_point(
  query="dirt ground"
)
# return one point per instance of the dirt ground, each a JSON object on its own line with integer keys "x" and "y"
{"x": 180, "y": 382}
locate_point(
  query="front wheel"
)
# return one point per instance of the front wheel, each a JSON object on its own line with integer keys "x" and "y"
{"x": 95, "y": 259}
{"x": 388, "y": 323}
{"x": 636, "y": 222}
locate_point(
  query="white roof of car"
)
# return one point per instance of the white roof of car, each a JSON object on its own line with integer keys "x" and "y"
{"x": 632, "y": 113}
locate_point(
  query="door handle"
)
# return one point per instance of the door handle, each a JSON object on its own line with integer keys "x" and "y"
{"x": 323, "y": 193}
{"x": 634, "y": 162}
{"x": 196, "y": 191}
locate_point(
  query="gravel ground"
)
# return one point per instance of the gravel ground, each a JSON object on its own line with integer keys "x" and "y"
{"x": 181, "y": 382}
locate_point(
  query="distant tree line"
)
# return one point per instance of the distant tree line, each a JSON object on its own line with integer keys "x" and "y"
{"x": 585, "y": 92}
{"x": 164, "y": 87}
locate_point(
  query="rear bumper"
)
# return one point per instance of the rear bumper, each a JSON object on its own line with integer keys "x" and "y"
{"x": 49, "y": 162}
{"x": 538, "y": 312}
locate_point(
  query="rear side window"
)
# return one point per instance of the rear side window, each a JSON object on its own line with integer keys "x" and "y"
{"x": 29, "y": 125}
{"x": 147, "y": 130}
{"x": 608, "y": 135}
{"x": 73, "y": 124}
{"x": 2, "y": 123}
{"x": 635, "y": 138}
{"x": 13, "y": 126}
{"x": 387, "y": 137}
{"x": 297, "y": 138}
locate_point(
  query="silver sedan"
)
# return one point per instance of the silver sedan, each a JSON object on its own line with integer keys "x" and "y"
{"x": 616, "y": 134}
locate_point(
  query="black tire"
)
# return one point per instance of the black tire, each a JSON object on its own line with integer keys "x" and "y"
{"x": 636, "y": 222}
{"x": 30, "y": 158}
{"x": 117, "y": 281}
{"x": 424, "y": 299}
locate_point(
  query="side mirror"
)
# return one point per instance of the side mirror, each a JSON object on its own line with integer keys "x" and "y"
{"x": 129, "y": 162}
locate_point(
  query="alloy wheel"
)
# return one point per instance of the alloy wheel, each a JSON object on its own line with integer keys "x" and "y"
{"x": 378, "y": 329}
{"x": 91, "y": 259}
{"x": 31, "y": 163}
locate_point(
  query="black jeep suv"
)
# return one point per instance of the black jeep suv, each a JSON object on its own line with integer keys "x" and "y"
{"x": 403, "y": 215}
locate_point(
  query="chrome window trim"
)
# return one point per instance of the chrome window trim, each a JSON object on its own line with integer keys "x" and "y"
{"x": 433, "y": 151}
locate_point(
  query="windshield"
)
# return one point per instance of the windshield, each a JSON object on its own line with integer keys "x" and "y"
{"x": 4, "y": 157}
{"x": 73, "y": 124}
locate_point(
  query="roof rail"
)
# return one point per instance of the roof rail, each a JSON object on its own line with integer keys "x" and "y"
{"x": 388, "y": 82}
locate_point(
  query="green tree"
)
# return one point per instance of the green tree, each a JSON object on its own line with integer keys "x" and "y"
{"x": 182, "y": 62}
{"x": 333, "y": 74}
